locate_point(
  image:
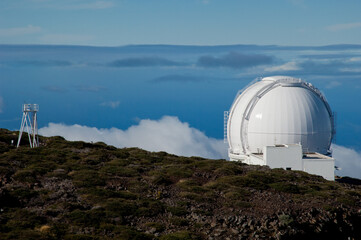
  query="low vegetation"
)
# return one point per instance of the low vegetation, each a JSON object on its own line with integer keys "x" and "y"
{"x": 77, "y": 190}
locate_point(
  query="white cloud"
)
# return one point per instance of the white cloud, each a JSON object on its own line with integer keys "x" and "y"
{"x": 19, "y": 31}
{"x": 173, "y": 136}
{"x": 348, "y": 160}
{"x": 290, "y": 66}
{"x": 90, "y": 88}
{"x": 111, "y": 104}
{"x": 352, "y": 70}
{"x": 1, "y": 104}
{"x": 166, "y": 134}
{"x": 344, "y": 26}
{"x": 354, "y": 59}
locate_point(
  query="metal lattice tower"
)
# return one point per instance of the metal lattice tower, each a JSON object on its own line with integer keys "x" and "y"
{"x": 29, "y": 121}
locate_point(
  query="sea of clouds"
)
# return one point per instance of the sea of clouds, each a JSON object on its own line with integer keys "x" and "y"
{"x": 167, "y": 134}
{"x": 171, "y": 135}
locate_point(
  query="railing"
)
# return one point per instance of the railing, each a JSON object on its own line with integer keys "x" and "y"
{"x": 225, "y": 122}
{"x": 30, "y": 107}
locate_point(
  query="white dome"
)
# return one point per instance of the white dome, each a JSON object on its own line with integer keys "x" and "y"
{"x": 280, "y": 110}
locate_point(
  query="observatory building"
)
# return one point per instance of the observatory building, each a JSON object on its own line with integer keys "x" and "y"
{"x": 282, "y": 122}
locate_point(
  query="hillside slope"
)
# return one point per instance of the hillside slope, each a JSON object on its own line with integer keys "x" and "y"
{"x": 77, "y": 190}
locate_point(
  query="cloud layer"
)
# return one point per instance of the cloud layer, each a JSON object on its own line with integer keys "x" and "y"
{"x": 343, "y": 26}
{"x": 173, "y": 136}
{"x": 143, "y": 62}
{"x": 111, "y": 104}
{"x": 348, "y": 160}
{"x": 37, "y": 63}
{"x": 234, "y": 60}
{"x": 19, "y": 31}
{"x": 167, "y": 134}
{"x": 179, "y": 78}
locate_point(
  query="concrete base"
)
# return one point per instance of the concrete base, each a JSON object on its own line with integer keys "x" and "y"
{"x": 290, "y": 157}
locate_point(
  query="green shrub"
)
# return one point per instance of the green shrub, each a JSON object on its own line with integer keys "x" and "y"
{"x": 250, "y": 181}
{"x": 100, "y": 193}
{"x": 126, "y": 233}
{"x": 41, "y": 168}
{"x": 25, "y": 175}
{"x": 204, "y": 212}
{"x": 158, "y": 226}
{"x": 218, "y": 185}
{"x": 346, "y": 200}
{"x": 353, "y": 193}
{"x": 285, "y": 220}
{"x": 120, "y": 171}
{"x": 329, "y": 208}
{"x": 58, "y": 230}
{"x": 241, "y": 204}
{"x": 120, "y": 207}
{"x": 178, "y": 171}
{"x": 314, "y": 187}
{"x": 177, "y": 221}
{"x": 183, "y": 235}
{"x": 149, "y": 208}
{"x": 136, "y": 186}
{"x": 23, "y": 194}
{"x": 4, "y": 147}
{"x": 106, "y": 227}
{"x": 23, "y": 219}
{"x": 285, "y": 187}
{"x": 122, "y": 153}
{"x": 162, "y": 180}
{"x": 237, "y": 194}
{"x": 229, "y": 169}
{"x": 87, "y": 178}
{"x": 191, "y": 196}
{"x": 28, "y": 234}
{"x": 177, "y": 211}
{"x": 87, "y": 218}
{"x": 257, "y": 179}
{"x": 191, "y": 185}
{"x": 118, "y": 162}
{"x": 209, "y": 165}
{"x": 80, "y": 237}
{"x": 92, "y": 161}
{"x": 58, "y": 173}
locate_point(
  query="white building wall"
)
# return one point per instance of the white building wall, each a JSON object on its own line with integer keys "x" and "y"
{"x": 237, "y": 157}
{"x": 290, "y": 156}
{"x": 255, "y": 159}
{"x": 283, "y": 156}
{"x": 322, "y": 167}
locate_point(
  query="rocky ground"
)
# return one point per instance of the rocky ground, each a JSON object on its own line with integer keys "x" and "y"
{"x": 77, "y": 190}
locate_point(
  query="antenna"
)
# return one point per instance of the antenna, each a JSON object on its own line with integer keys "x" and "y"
{"x": 30, "y": 121}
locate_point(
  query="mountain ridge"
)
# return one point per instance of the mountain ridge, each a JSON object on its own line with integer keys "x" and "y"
{"x": 79, "y": 190}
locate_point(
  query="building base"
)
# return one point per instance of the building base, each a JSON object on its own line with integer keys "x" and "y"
{"x": 290, "y": 157}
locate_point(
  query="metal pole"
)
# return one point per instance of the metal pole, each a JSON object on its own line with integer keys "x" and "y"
{"x": 21, "y": 129}
{"x": 27, "y": 127}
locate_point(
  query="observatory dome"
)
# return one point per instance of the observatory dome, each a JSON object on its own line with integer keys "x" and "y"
{"x": 279, "y": 110}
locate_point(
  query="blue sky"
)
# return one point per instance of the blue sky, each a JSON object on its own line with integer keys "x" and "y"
{"x": 190, "y": 22}
{"x": 82, "y": 63}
